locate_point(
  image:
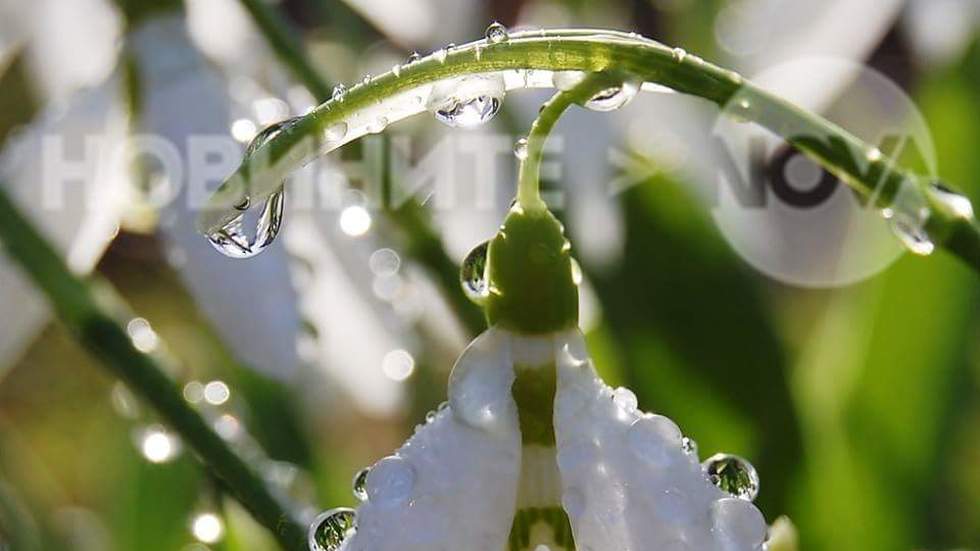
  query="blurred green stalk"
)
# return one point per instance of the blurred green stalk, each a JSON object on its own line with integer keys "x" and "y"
{"x": 92, "y": 311}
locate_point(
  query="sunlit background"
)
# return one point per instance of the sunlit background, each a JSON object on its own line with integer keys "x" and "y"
{"x": 858, "y": 404}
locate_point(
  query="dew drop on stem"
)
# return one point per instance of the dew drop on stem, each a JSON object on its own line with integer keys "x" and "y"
{"x": 614, "y": 97}
{"x": 468, "y": 102}
{"x": 497, "y": 33}
{"x": 520, "y": 149}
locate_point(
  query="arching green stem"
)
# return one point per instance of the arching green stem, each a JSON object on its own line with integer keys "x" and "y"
{"x": 528, "y": 183}
{"x": 592, "y": 51}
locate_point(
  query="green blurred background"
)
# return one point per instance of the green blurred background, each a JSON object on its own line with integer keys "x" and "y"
{"x": 859, "y": 405}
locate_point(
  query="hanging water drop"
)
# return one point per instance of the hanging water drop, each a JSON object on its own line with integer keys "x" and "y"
{"x": 497, "y": 33}
{"x": 907, "y": 216}
{"x": 467, "y": 102}
{"x": 733, "y": 475}
{"x": 359, "y": 484}
{"x": 473, "y": 274}
{"x": 520, "y": 149}
{"x": 331, "y": 529}
{"x": 233, "y": 241}
{"x": 614, "y": 98}
{"x": 339, "y": 91}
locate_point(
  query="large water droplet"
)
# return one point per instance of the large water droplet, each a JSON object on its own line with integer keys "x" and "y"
{"x": 733, "y": 475}
{"x": 331, "y": 529}
{"x": 520, "y": 149}
{"x": 468, "y": 102}
{"x": 473, "y": 274}
{"x": 654, "y": 439}
{"x": 359, "y": 484}
{"x": 497, "y": 33}
{"x": 390, "y": 482}
{"x": 614, "y": 98}
{"x": 232, "y": 239}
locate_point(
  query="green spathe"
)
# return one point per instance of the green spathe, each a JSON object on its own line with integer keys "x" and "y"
{"x": 529, "y": 267}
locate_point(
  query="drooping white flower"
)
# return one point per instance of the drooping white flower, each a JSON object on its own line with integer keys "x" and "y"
{"x": 533, "y": 451}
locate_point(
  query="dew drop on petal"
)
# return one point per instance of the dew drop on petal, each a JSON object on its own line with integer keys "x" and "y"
{"x": 359, "y": 484}
{"x": 738, "y": 523}
{"x": 497, "y": 33}
{"x": 331, "y": 529}
{"x": 733, "y": 475}
{"x": 473, "y": 274}
{"x": 390, "y": 482}
{"x": 652, "y": 439}
{"x": 520, "y": 149}
{"x": 234, "y": 241}
{"x": 613, "y": 98}
{"x": 625, "y": 399}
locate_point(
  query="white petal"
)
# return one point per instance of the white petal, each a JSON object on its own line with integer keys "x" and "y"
{"x": 627, "y": 483}
{"x": 453, "y": 486}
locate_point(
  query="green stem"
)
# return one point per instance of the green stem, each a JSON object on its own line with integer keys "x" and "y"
{"x": 92, "y": 311}
{"x": 528, "y": 183}
{"x": 594, "y": 51}
{"x": 286, "y": 47}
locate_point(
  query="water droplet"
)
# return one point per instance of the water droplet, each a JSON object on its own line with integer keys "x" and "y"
{"x": 473, "y": 274}
{"x": 267, "y": 134}
{"x": 907, "y": 216}
{"x": 232, "y": 239}
{"x": 366, "y": 79}
{"x": 679, "y": 54}
{"x": 625, "y": 399}
{"x": 336, "y": 132}
{"x": 689, "y": 446}
{"x": 339, "y": 91}
{"x": 613, "y": 98}
{"x": 467, "y": 102}
{"x": 955, "y": 202}
{"x": 652, "y": 437}
{"x": 497, "y": 33}
{"x": 733, "y": 475}
{"x": 874, "y": 155}
{"x": 378, "y": 125}
{"x": 331, "y": 529}
{"x": 520, "y": 149}
{"x": 414, "y": 57}
{"x": 390, "y": 482}
{"x": 359, "y": 484}
{"x": 430, "y": 416}
{"x": 396, "y": 70}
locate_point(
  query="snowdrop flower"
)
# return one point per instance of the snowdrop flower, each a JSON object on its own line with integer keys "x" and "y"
{"x": 533, "y": 451}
